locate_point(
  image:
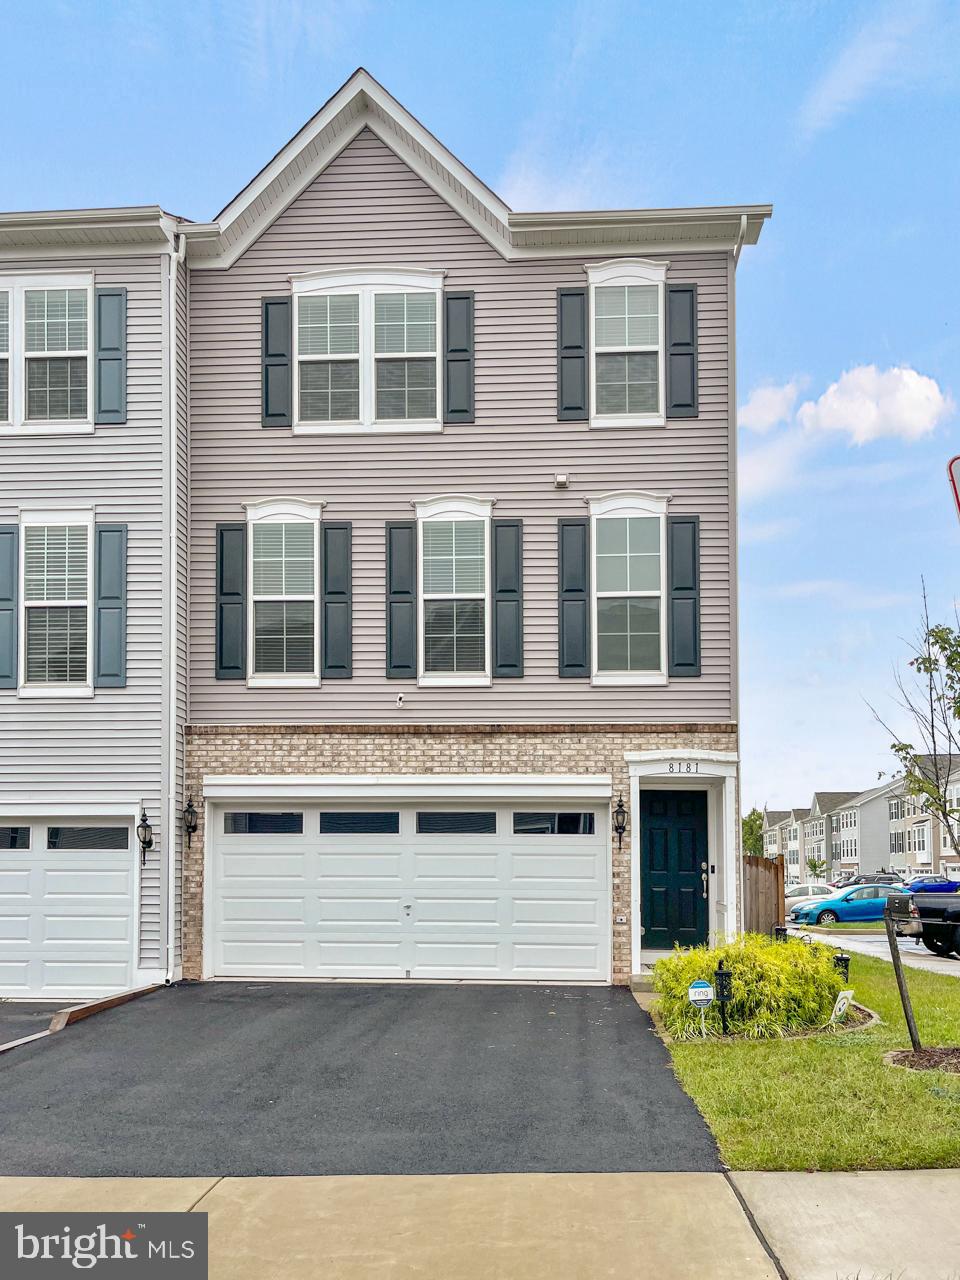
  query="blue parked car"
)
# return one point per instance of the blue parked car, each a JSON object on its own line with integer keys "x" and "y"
{"x": 861, "y": 902}
{"x": 933, "y": 884}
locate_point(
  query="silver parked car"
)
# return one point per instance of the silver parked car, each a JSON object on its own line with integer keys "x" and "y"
{"x": 803, "y": 893}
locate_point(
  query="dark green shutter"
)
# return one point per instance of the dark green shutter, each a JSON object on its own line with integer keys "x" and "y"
{"x": 682, "y": 392}
{"x": 336, "y": 595}
{"x": 401, "y": 599}
{"x": 9, "y": 578}
{"x": 458, "y": 359}
{"x": 231, "y": 657}
{"x": 683, "y": 619}
{"x": 110, "y": 355}
{"x": 574, "y": 622}
{"x": 277, "y": 361}
{"x": 572, "y": 355}
{"x": 110, "y": 607}
{"x": 508, "y": 598}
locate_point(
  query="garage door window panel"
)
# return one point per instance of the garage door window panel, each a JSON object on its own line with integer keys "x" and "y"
{"x": 359, "y": 823}
{"x": 101, "y": 839}
{"x": 262, "y": 824}
{"x": 14, "y": 837}
{"x": 554, "y": 824}
{"x": 463, "y": 822}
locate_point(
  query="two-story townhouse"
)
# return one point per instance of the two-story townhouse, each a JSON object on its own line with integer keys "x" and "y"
{"x": 452, "y": 688}
{"x": 793, "y": 845}
{"x": 463, "y": 694}
{"x": 92, "y": 588}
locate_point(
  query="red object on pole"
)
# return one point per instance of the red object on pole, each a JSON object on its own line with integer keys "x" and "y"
{"x": 953, "y": 471}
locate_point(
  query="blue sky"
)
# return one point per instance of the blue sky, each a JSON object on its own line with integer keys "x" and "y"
{"x": 844, "y": 116}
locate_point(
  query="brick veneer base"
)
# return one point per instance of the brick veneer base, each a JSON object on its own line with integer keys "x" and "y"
{"x": 428, "y": 749}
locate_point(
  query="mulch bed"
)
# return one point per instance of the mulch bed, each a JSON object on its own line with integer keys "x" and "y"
{"x": 927, "y": 1059}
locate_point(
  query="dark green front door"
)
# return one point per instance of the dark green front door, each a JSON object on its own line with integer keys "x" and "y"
{"x": 674, "y": 862}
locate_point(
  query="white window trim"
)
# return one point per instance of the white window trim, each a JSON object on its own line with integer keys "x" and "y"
{"x": 627, "y": 271}
{"x": 624, "y": 504}
{"x": 366, "y": 283}
{"x": 455, "y": 506}
{"x": 64, "y": 516}
{"x": 284, "y": 511}
{"x": 18, "y": 423}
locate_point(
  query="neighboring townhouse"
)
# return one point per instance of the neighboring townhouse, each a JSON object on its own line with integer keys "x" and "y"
{"x": 819, "y": 838}
{"x": 462, "y": 689}
{"x": 792, "y": 845}
{"x": 772, "y": 818}
{"x": 860, "y": 830}
{"x": 92, "y": 585}
{"x": 918, "y": 841}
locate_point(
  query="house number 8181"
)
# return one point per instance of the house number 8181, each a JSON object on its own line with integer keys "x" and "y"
{"x": 684, "y": 766}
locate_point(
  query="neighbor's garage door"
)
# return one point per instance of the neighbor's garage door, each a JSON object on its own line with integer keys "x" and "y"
{"x": 66, "y": 908}
{"x": 410, "y": 890}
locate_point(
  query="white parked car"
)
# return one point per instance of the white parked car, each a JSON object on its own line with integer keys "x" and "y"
{"x": 803, "y": 893}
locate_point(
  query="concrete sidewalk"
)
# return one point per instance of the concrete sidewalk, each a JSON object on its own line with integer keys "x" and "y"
{"x": 675, "y": 1226}
{"x": 831, "y": 1226}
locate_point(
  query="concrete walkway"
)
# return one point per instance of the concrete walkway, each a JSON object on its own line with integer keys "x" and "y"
{"x": 675, "y": 1226}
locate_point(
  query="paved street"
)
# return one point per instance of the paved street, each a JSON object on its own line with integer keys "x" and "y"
{"x": 917, "y": 957}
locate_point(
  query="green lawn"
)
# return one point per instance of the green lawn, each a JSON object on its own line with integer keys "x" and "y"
{"x": 828, "y": 1102}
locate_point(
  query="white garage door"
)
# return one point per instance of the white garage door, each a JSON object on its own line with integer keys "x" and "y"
{"x": 412, "y": 891}
{"x": 66, "y": 907}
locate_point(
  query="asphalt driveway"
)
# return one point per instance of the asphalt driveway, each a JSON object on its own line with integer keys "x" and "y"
{"x": 252, "y": 1079}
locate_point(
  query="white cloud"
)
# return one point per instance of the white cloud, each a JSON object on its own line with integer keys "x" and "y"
{"x": 759, "y": 531}
{"x": 769, "y": 405}
{"x": 771, "y": 466}
{"x": 868, "y": 403}
{"x": 848, "y": 595}
{"x": 882, "y": 54}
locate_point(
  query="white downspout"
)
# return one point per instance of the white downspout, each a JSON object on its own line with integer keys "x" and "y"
{"x": 174, "y": 258}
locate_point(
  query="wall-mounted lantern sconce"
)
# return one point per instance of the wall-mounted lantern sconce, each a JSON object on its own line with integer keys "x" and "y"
{"x": 189, "y": 816}
{"x": 144, "y": 835}
{"x": 620, "y": 821}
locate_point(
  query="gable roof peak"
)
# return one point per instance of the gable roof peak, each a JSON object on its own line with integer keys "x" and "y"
{"x": 361, "y": 103}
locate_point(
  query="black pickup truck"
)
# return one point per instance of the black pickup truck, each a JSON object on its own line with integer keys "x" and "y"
{"x": 934, "y": 918}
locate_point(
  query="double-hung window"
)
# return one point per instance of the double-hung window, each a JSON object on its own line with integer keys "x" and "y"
{"x": 57, "y": 581}
{"x": 367, "y": 350}
{"x": 627, "y": 343}
{"x": 629, "y": 635}
{"x": 283, "y": 644}
{"x": 46, "y": 353}
{"x": 454, "y": 591}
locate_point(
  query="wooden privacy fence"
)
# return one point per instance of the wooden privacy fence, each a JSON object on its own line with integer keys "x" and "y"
{"x": 763, "y": 888}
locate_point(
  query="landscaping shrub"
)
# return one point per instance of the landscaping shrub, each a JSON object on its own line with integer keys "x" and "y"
{"x": 778, "y": 987}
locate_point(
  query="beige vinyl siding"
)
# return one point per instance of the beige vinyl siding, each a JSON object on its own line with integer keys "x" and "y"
{"x": 369, "y": 208}
{"x": 109, "y": 747}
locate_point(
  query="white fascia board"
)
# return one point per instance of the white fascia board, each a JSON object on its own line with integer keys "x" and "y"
{"x": 375, "y": 787}
{"x": 33, "y": 805}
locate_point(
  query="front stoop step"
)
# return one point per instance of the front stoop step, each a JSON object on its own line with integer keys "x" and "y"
{"x": 642, "y": 981}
